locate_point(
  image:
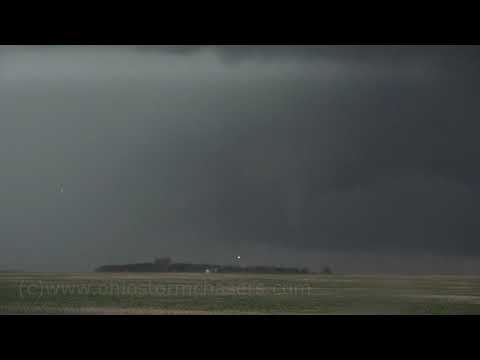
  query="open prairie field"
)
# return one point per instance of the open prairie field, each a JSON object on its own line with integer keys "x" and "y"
{"x": 226, "y": 294}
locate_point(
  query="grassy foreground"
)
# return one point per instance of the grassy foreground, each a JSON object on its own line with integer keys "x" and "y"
{"x": 177, "y": 294}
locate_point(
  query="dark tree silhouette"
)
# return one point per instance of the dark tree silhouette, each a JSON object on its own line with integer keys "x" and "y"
{"x": 327, "y": 270}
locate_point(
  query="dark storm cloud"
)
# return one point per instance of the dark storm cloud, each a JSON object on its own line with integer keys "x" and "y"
{"x": 352, "y": 54}
{"x": 350, "y": 149}
{"x": 398, "y": 149}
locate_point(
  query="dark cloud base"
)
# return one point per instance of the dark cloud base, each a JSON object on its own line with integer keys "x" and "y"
{"x": 380, "y": 160}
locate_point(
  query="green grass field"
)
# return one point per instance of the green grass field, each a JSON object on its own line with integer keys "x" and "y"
{"x": 178, "y": 294}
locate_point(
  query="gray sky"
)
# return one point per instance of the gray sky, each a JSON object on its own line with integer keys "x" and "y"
{"x": 360, "y": 157}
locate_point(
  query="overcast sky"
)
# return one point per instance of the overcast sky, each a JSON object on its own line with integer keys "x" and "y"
{"x": 359, "y": 157}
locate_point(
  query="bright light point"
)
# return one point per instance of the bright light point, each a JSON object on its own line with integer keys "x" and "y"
{"x": 238, "y": 257}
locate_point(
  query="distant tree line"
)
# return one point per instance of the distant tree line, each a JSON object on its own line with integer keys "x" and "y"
{"x": 166, "y": 265}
